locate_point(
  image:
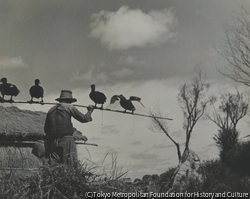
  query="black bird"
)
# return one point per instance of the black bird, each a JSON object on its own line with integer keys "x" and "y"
{"x": 8, "y": 89}
{"x": 36, "y": 91}
{"x": 126, "y": 103}
{"x": 97, "y": 97}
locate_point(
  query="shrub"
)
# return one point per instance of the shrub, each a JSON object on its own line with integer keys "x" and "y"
{"x": 166, "y": 179}
{"x": 225, "y": 141}
{"x": 238, "y": 158}
{"x": 58, "y": 181}
{"x": 218, "y": 177}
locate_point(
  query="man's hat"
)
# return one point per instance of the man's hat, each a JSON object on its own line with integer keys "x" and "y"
{"x": 4, "y": 80}
{"x": 66, "y": 95}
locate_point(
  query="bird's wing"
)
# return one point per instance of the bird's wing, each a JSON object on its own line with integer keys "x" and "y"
{"x": 134, "y": 98}
{"x": 102, "y": 95}
{"x": 31, "y": 89}
{"x": 40, "y": 91}
{"x": 15, "y": 91}
{"x": 113, "y": 99}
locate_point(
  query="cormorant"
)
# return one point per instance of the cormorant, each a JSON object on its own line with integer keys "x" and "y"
{"x": 8, "y": 89}
{"x": 97, "y": 97}
{"x": 36, "y": 91}
{"x": 126, "y": 103}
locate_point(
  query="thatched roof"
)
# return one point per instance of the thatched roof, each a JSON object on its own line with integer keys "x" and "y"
{"x": 24, "y": 125}
{"x": 17, "y": 124}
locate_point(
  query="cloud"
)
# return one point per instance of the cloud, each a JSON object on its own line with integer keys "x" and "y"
{"x": 122, "y": 73}
{"x": 12, "y": 62}
{"x": 109, "y": 129}
{"x": 136, "y": 143}
{"x": 132, "y": 61}
{"x": 144, "y": 156}
{"x": 162, "y": 146}
{"x": 129, "y": 28}
{"x": 89, "y": 76}
{"x": 178, "y": 133}
{"x": 110, "y": 150}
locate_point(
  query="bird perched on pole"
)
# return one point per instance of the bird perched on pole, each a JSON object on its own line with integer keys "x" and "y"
{"x": 8, "y": 89}
{"x": 36, "y": 91}
{"x": 126, "y": 103}
{"x": 97, "y": 97}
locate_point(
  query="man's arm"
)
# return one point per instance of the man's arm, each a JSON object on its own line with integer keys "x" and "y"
{"x": 80, "y": 116}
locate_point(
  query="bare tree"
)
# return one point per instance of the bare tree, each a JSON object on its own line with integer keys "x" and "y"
{"x": 232, "y": 109}
{"x": 236, "y": 49}
{"x": 193, "y": 101}
{"x": 162, "y": 126}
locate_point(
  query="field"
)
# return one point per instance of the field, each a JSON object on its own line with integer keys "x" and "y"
{"x": 21, "y": 180}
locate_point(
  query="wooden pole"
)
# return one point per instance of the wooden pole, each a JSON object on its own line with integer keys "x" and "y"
{"x": 83, "y": 106}
{"x": 31, "y": 143}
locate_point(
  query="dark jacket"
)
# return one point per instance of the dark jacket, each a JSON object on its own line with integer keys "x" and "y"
{"x": 58, "y": 121}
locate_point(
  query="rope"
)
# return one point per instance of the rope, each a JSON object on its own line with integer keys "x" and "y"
{"x": 133, "y": 129}
{"x": 27, "y": 100}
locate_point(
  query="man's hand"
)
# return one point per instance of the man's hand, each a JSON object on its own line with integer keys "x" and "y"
{"x": 84, "y": 138}
{"x": 90, "y": 108}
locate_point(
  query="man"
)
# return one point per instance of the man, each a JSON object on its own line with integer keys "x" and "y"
{"x": 60, "y": 145}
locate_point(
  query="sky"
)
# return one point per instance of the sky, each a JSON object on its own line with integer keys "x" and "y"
{"x": 141, "y": 48}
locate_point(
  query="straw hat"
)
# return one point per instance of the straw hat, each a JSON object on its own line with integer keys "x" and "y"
{"x": 66, "y": 95}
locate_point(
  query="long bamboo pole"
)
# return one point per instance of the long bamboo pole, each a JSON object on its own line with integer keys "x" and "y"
{"x": 84, "y": 106}
{"x": 31, "y": 143}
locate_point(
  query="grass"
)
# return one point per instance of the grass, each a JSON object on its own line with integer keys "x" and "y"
{"x": 114, "y": 172}
{"x": 60, "y": 181}
{"x": 50, "y": 182}
{"x": 57, "y": 181}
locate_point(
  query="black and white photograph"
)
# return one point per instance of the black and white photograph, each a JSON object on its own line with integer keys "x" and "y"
{"x": 124, "y": 99}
